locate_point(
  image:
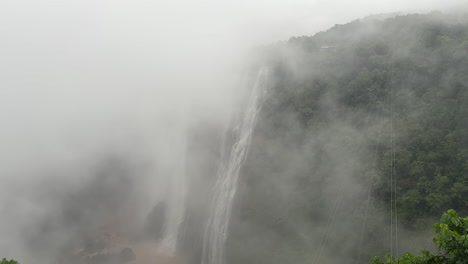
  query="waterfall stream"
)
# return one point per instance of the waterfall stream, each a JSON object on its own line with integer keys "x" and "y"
{"x": 228, "y": 173}
{"x": 176, "y": 189}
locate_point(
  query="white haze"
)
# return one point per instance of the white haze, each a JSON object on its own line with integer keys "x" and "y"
{"x": 81, "y": 78}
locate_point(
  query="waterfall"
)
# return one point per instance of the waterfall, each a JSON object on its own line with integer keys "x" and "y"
{"x": 228, "y": 173}
{"x": 175, "y": 212}
{"x": 176, "y": 189}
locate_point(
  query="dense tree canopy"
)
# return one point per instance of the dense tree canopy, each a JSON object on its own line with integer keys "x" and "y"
{"x": 364, "y": 117}
{"x": 5, "y": 261}
{"x": 451, "y": 238}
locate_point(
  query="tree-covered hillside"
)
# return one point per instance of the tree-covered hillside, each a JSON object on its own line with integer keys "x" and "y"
{"x": 362, "y": 124}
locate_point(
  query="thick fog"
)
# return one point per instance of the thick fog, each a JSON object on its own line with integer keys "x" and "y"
{"x": 105, "y": 104}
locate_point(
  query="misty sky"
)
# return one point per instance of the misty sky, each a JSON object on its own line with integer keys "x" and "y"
{"x": 79, "y": 77}
{"x": 79, "y": 64}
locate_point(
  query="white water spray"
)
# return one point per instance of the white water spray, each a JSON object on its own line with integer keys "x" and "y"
{"x": 228, "y": 174}
{"x": 176, "y": 192}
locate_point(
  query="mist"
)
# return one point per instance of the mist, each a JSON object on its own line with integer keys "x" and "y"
{"x": 112, "y": 110}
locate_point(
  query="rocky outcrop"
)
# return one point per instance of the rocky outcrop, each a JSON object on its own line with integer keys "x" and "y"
{"x": 111, "y": 248}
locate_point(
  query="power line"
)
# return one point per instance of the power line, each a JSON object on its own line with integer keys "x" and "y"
{"x": 373, "y": 171}
{"x": 393, "y": 181}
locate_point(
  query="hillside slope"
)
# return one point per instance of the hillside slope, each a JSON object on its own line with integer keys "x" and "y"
{"x": 343, "y": 106}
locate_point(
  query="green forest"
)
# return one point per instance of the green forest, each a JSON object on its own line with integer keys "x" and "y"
{"x": 361, "y": 144}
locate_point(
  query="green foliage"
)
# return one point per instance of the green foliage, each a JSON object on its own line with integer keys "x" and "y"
{"x": 422, "y": 60}
{"x": 451, "y": 238}
{"x": 5, "y": 261}
{"x": 325, "y": 130}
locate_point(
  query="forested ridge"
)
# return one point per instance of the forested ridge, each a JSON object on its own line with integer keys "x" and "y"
{"x": 363, "y": 123}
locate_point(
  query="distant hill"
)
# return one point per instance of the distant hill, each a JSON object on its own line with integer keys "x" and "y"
{"x": 382, "y": 16}
{"x": 361, "y": 118}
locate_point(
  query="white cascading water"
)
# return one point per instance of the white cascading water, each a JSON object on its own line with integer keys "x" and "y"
{"x": 227, "y": 177}
{"x": 175, "y": 213}
{"x": 176, "y": 197}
